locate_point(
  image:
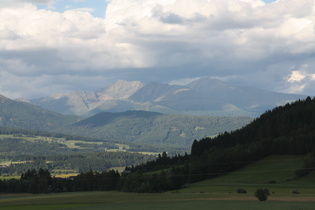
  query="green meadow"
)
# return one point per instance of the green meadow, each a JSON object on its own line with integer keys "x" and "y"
{"x": 276, "y": 173}
{"x": 122, "y": 201}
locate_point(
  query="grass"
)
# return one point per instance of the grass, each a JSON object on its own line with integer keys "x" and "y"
{"x": 9, "y": 177}
{"x": 69, "y": 143}
{"x": 130, "y": 201}
{"x": 275, "y": 173}
{"x": 31, "y": 138}
{"x": 5, "y": 162}
{"x": 119, "y": 169}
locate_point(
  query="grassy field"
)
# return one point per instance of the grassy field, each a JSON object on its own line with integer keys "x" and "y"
{"x": 219, "y": 193}
{"x": 69, "y": 143}
{"x": 72, "y": 144}
{"x": 31, "y": 138}
{"x": 130, "y": 201}
{"x": 275, "y": 173}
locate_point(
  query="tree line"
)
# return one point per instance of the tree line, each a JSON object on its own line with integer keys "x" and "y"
{"x": 80, "y": 162}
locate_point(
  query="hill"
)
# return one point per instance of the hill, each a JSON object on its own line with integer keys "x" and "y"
{"x": 144, "y": 131}
{"x": 273, "y": 170}
{"x": 17, "y": 114}
{"x": 154, "y": 130}
{"x": 205, "y": 96}
{"x": 285, "y": 130}
{"x": 277, "y": 173}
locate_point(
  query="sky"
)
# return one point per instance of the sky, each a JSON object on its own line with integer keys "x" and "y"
{"x": 55, "y": 46}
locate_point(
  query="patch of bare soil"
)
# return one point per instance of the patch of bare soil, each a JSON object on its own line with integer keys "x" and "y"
{"x": 295, "y": 199}
{"x": 253, "y": 198}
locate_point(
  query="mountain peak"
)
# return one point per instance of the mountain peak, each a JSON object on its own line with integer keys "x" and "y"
{"x": 119, "y": 90}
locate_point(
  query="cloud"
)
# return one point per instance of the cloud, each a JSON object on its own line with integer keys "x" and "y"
{"x": 296, "y": 76}
{"x": 89, "y": 10}
{"x": 15, "y": 3}
{"x": 302, "y": 78}
{"x": 247, "y": 42}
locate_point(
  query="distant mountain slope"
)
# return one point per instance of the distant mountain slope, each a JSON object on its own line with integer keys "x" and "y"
{"x": 119, "y": 90}
{"x": 104, "y": 118}
{"x": 16, "y": 114}
{"x": 175, "y": 97}
{"x": 77, "y": 103}
{"x": 80, "y": 103}
{"x": 252, "y": 100}
{"x": 205, "y": 96}
{"x": 149, "y": 130}
{"x": 155, "y": 129}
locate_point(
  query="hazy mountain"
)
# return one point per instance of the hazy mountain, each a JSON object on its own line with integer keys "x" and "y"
{"x": 69, "y": 103}
{"x": 80, "y": 102}
{"x": 252, "y": 100}
{"x": 175, "y": 97}
{"x": 119, "y": 90}
{"x": 17, "y": 114}
{"x": 204, "y": 96}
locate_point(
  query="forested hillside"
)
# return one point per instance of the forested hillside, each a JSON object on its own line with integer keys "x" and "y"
{"x": 285, "y": 130}
{"x": 288, "y": 129}
{"x": 153, "y": 130}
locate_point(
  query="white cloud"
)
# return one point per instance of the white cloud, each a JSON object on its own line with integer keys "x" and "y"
{"x": 246, "y": 41}
{"x": 89, "y": 10}
{"x": 301, "y": 79}
{"x": 296, "y": 76}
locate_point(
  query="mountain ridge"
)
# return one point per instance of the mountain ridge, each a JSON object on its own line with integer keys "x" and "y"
{"x": 205, "y": 96}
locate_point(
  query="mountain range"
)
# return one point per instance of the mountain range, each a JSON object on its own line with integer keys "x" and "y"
{"x": 205, "y": 96}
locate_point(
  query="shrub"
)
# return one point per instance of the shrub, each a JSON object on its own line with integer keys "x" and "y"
{"x": 296, "y": 192}
{"x": 240, "y": 190}
{"x": 262, "y": 194}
